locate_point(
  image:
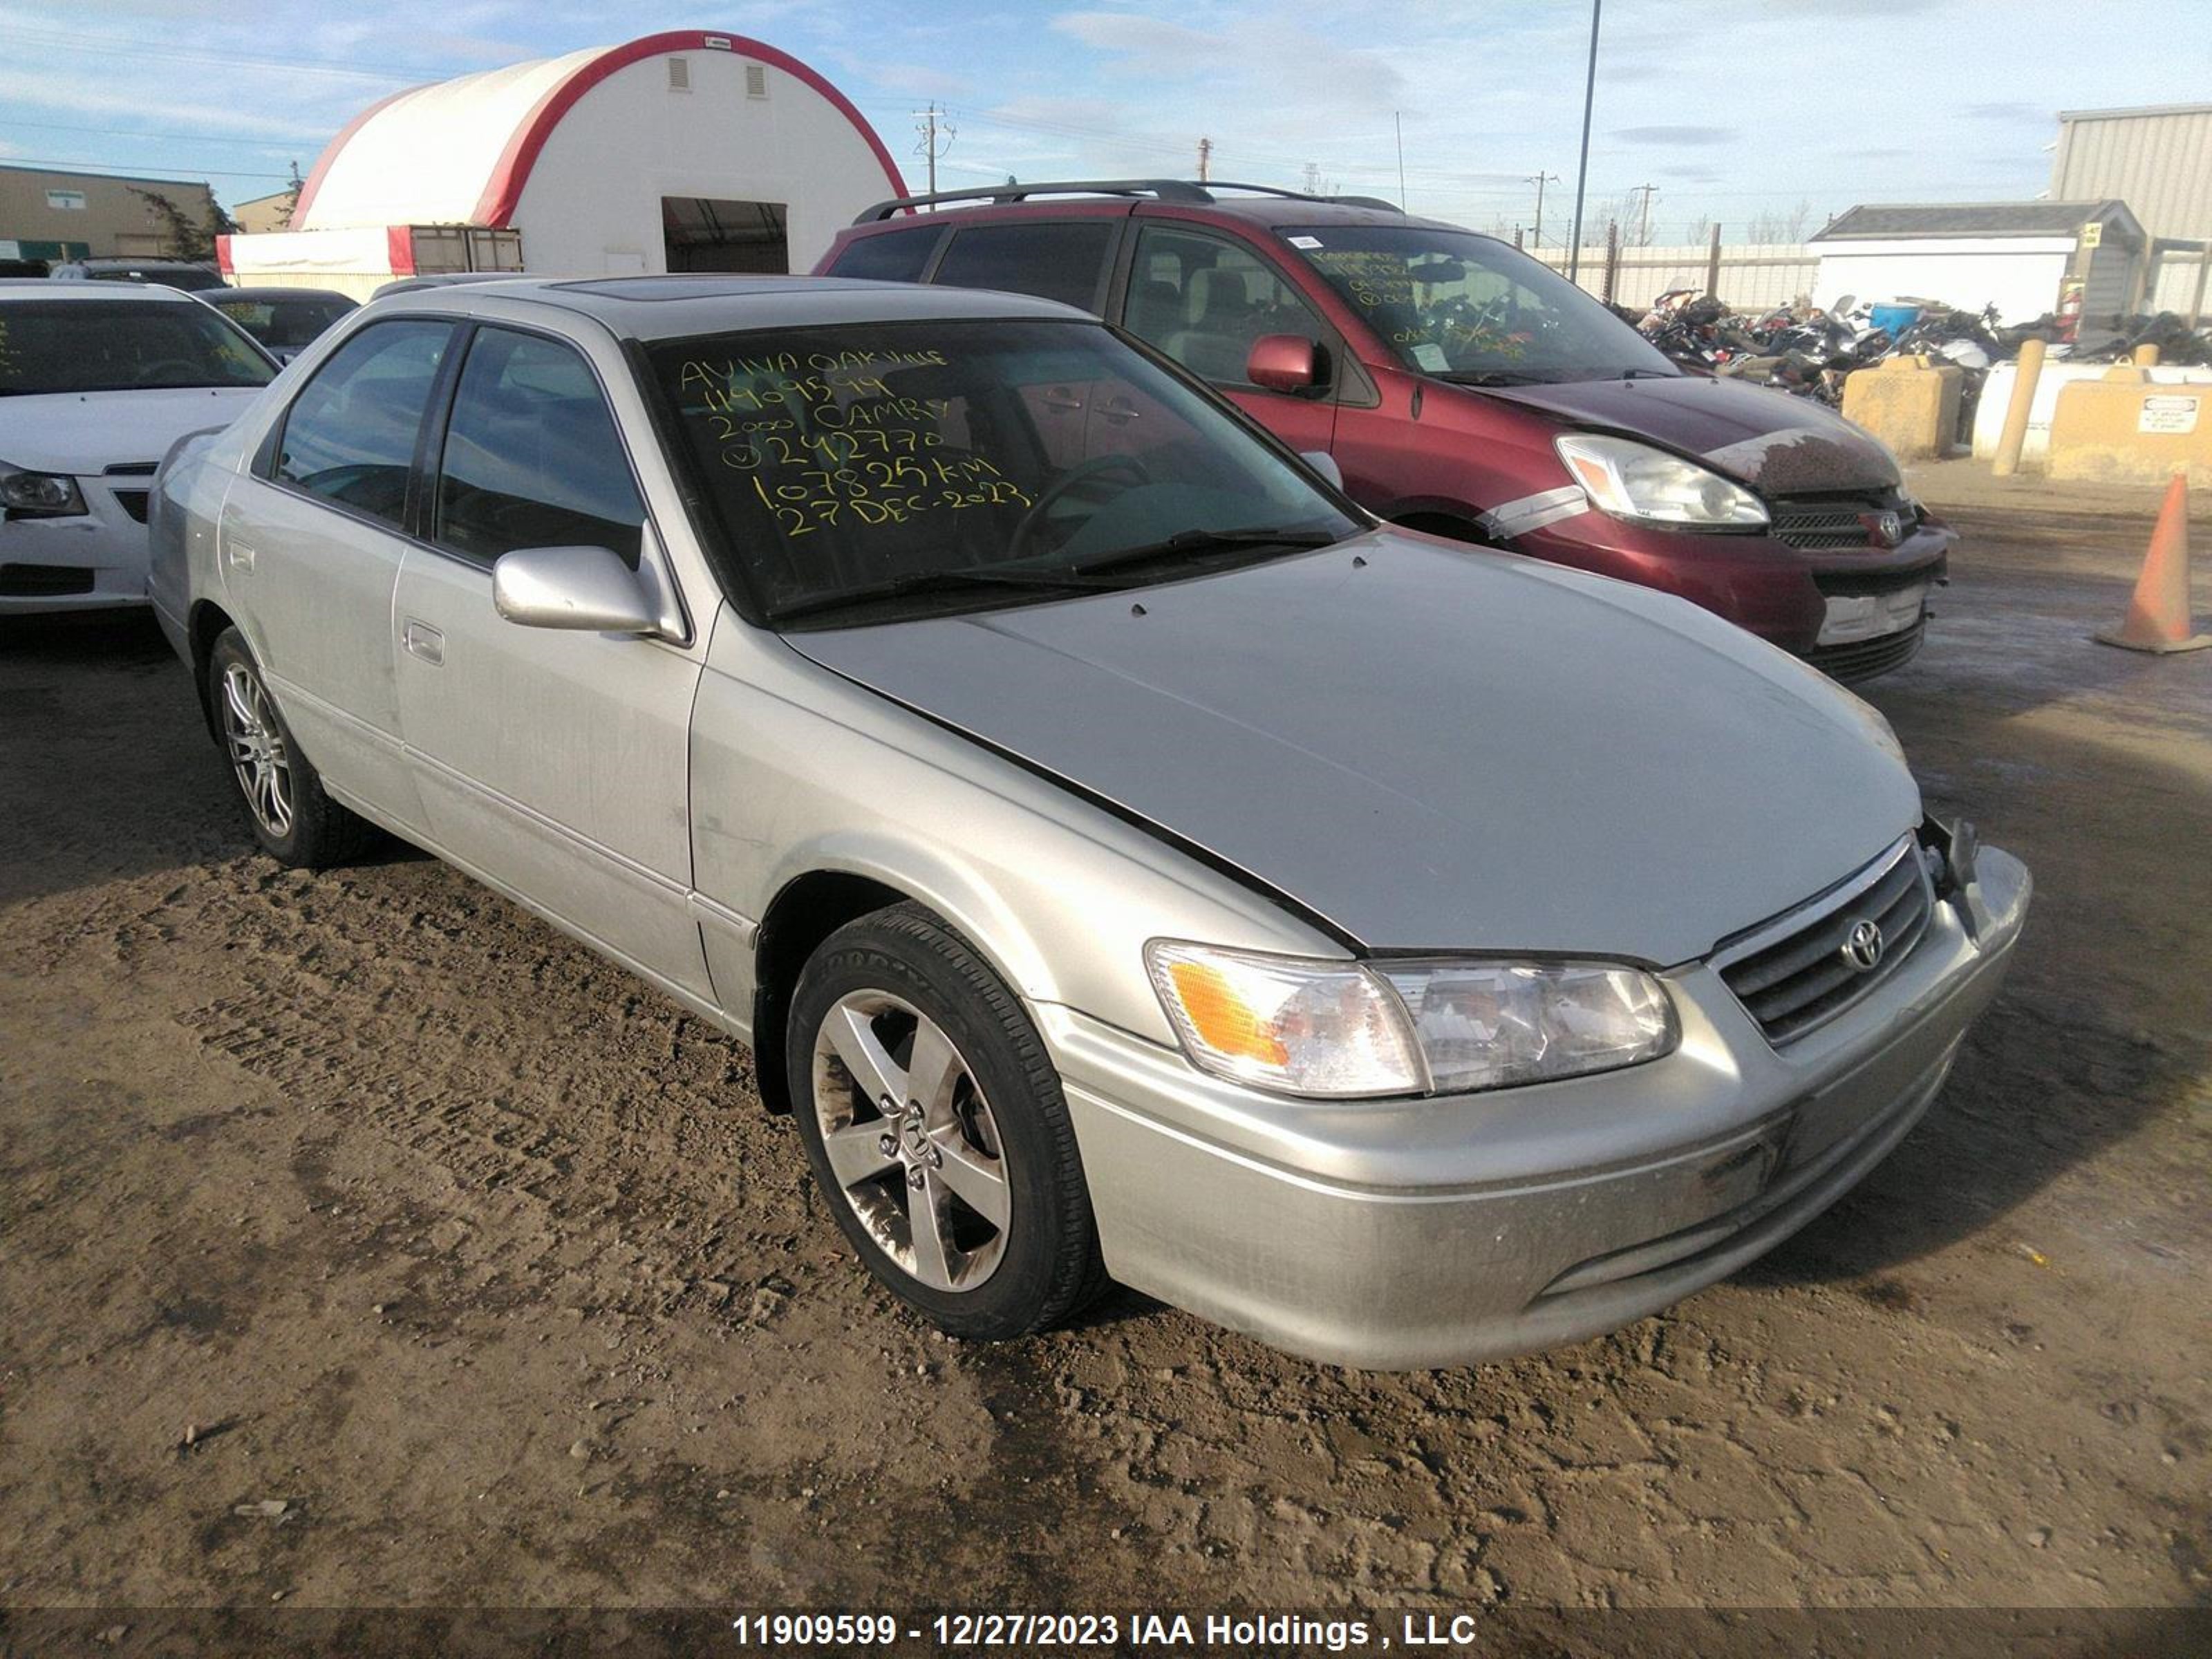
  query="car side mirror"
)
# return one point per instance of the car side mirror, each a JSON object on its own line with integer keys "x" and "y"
{"x": 1283, "y": 362}
{"x": 1325, "y": 463}
{"x": 589, "y": 589}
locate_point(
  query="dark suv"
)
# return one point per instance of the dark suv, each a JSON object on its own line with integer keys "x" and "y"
{"x": 1463, "y": 388}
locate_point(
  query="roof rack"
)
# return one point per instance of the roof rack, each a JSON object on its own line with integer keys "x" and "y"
{"x": 1160, "y": 190}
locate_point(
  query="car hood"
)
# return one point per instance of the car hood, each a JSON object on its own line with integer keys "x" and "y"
{"x": 1429, "y": 748}
{"x": 84, "y": 433}
{"x": 1778, "y": 444}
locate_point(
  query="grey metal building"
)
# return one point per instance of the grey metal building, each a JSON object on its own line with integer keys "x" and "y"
{"x": 2157, "y": 159}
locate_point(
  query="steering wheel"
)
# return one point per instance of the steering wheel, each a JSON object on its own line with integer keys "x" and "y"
{"x": 1097, "y": 466}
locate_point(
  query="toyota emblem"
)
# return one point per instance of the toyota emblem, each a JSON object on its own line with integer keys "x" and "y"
{"x": 1887, "y": 527}
{"x": 1862, "y": 946}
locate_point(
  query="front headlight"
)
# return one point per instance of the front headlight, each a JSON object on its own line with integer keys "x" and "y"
{"x": 39, "y": 495}
{"x": 1634, "y": 481}
{"x": 1348, "y": 1030}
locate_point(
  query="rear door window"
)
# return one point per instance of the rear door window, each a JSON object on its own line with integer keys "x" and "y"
{"x": 895, "y": 256}
{"x": 532, "y": 458}
{"x": 1066, "y": 261}
{"x": 349, "y": 436}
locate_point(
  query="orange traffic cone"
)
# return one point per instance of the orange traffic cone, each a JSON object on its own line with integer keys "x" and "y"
{"x": 2158, "y": 615}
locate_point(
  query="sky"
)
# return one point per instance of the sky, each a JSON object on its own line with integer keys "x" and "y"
{"x": 1764, "y": 116}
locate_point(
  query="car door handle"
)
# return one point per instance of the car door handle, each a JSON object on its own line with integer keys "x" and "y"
{"x": 1119, "y": 412}
{"x": 422, "y": 641}
{"x": 1061, "y": 403}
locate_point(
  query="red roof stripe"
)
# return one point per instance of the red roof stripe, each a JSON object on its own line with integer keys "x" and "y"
{"x": 504, "y": 190}
{"x": 331, "y": 154}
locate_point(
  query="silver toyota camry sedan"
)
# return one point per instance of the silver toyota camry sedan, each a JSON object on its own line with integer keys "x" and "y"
{"x": 1127, "y": 860}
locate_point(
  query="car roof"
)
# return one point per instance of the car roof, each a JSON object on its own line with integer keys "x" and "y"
{"x": 671, "y": 308}
{"x": 1269, "y": 210}
{"x": 256, "y": 291}
{"x": 127, "y": 262}
{"x": 46, "y": 288}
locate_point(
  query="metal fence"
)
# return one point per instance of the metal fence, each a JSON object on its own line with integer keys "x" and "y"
{"x": 1747, "y": 276}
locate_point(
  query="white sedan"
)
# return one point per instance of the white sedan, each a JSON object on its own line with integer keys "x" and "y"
{"x": 97, "y": 379}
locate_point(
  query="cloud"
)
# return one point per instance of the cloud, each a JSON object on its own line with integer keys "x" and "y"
{"x": 1668, "y": 135}
{"x": 1279, "y": 66}
{"x": 915, "y": 80}
{"x": 51, "y": 91}
{"x": 1143, "y": 37}
{"x": 2035, "y": 112}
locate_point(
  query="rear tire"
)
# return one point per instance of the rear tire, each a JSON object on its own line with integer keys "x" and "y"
{"x": 294, "y": 820}
{"x": 937, "y": 1130}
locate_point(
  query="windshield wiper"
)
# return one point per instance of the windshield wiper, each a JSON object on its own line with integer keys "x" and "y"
{"x": 1210, "y": 541}
{"x": 1089, "y": 578}
{"x": 1495, "y": 377}
{"x": 938, "y": 581}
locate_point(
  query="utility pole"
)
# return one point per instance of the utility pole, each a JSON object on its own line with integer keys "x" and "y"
{"x": 1205, "y": 159}
{"x": 1582, "y": 168}
{"x": 1644, "y": 224}
{"x": 1398, "y": 121}
{"x": 1537, "y": 179}
{"x": 931, "y": 125}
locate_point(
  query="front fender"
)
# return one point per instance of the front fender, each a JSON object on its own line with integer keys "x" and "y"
{"x": 795, "y": 770}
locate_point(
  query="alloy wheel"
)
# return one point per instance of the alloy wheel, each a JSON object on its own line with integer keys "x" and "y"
{"x": 911, "y": 1141}
{"x": 258, "y": 754}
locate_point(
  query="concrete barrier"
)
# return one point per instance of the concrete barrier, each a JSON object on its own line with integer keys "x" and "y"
{"x": 2126, "y": 428}
{"x": 1908, "y": 402}
{"x": 1997, "y": 393}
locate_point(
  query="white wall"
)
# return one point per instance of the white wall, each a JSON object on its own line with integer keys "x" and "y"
{"x": 592, "y": 202}
{"x": 2019, "y": 274}
{"x": 356, "y": 261}
{"x": 2172, "y": 285}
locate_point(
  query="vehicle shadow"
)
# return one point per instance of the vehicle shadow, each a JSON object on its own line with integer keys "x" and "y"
{"x": 111, "y": 772}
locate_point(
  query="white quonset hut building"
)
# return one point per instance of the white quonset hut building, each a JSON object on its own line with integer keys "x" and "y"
{"x": 682, "y": 151}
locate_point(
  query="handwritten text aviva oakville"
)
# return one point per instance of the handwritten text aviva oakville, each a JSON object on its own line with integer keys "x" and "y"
{"x": 827, "y": 442}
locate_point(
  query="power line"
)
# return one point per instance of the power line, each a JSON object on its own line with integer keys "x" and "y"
{"x": 55, "y": 41}
{"x": 167, "y": 138}
{"x": 102, "y": 170}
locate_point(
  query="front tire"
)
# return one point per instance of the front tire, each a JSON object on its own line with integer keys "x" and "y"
{"x": 295, "y": 822}
{"x": 936, "y": 1128}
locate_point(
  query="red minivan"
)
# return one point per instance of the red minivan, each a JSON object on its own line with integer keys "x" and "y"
{"x": 1463, "y": 388}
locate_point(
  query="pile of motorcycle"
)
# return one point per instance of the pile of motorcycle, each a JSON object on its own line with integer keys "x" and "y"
{"x": 1810, "y": 351}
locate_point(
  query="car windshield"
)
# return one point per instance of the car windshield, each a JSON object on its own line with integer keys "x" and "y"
{"x": 869, "y": 471}
{"x": 121, "y": 345}
{"x": 1467, "y": 308}
{"x": 282, "y": 325}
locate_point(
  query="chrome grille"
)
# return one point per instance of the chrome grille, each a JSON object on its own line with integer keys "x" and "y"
{"x": 1792, "y": 974}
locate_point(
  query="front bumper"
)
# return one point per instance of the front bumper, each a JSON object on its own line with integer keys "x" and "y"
{"x": 92, "y": 560}
{"x": 1408, "y": 1234}
{"x": 1779, "y": 592}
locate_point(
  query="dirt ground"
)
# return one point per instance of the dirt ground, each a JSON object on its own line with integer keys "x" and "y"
{"x": 363, "y": 1242}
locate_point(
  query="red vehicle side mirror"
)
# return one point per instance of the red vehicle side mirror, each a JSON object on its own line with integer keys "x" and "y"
{"x": 1283, "y": 362}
